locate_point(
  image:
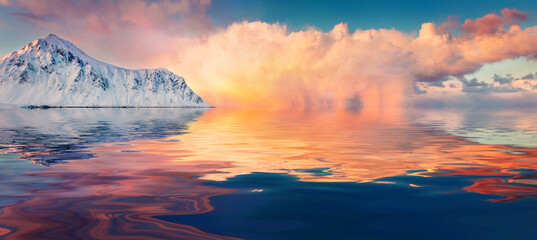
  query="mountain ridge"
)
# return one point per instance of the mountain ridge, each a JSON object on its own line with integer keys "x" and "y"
{"x": 53, "y": 71}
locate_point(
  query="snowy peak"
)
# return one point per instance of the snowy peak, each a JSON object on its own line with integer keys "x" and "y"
{"x": 52, "y": 38}
{"x": 58, "y": 42}
{"x": 53, "y": 71}
{"x": 64, "y": 44}
{"x": 52, "y": 43}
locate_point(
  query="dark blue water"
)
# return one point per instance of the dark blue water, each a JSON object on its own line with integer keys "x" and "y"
{"x": 290, "y": 209}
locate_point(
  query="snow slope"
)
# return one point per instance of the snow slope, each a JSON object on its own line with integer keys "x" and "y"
{"x": 53, "y": 71}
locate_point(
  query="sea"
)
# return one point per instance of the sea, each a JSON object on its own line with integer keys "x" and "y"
{"x": 225, "y": 173}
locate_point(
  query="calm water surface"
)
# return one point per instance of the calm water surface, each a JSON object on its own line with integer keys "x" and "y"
{"x": 266, "y": 174}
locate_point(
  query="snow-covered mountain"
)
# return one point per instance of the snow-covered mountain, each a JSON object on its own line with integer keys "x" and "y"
{"x": 53, "y": 71}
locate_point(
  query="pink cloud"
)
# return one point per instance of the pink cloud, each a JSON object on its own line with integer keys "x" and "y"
{"x": 493, "y": 23}
{"x": 487, "y": 25}
{"x": 142, "y": 15}
{"x": 513, "y": 17}
{"x": 484, "y": 40}
{"x": 96, "y": 25}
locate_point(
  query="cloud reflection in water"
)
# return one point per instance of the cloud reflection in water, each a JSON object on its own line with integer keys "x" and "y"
{"x": 140, "y": 165}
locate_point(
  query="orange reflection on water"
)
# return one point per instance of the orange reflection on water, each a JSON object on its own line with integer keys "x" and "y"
{"x": 348, "y": 146}
{"x": 117, "y": 194}
{"x": 511, "y": 189}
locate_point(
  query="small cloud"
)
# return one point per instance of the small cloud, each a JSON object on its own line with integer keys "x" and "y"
{"x": 475, "y": 86}
{"x": 418, "y": 90}
{"x": 493, "y": 23}
{"x": 486, "y": 25}
{"x": 508, "y": 79}
{"x": 513, "y": 16}
{"x": 529, "y": 76}
{"x": 472, "y": 82}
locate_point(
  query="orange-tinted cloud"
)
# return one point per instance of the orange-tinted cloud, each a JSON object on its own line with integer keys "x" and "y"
{"x": 266, "y": 64}
{"x": 489, "y": 24}
{"x": 493, "y": 23}
{"x": 257, "y": 63}
{"x": 513, "y": 16}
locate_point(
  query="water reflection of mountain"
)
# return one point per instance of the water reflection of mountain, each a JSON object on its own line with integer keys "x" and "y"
{"x": 51, "y": 136}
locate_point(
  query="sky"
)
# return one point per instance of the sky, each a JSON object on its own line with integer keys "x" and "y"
{"x": 276, "y": 53}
